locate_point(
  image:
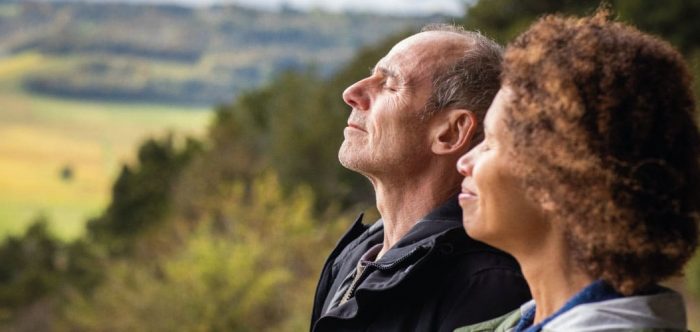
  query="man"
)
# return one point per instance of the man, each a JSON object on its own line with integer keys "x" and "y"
{"x": 415, "y": 269}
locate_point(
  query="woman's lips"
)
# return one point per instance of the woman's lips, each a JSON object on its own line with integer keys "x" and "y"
{"x": 467, "y": 194}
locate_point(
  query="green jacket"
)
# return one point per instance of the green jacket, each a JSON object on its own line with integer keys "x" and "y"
{"x": 500, "y": 324}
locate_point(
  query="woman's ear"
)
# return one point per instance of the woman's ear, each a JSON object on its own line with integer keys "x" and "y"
{"x": 453, "y": 131}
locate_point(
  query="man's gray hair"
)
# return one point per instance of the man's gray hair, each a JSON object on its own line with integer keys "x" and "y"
{"x": 471, "y": 82}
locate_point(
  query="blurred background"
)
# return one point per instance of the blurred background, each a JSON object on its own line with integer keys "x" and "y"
{"x": 171, "y": 165}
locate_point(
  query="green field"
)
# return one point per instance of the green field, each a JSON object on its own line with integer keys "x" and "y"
{"x": 41, "y": 136}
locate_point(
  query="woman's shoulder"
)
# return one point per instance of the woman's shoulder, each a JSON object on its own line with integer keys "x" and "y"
{"x": 661, "y": 311}
{"x": 500, "y": 324}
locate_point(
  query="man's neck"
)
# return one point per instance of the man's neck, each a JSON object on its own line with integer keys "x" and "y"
{"x": 403, "y": 202}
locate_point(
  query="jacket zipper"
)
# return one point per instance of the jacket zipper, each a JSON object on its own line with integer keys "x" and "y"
{"x": 381, "y": 267}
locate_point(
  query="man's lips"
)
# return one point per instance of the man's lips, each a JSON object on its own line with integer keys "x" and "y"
{"x": 355, "y": 126}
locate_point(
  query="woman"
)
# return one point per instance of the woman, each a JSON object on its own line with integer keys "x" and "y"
{"x": 588, "y": 176}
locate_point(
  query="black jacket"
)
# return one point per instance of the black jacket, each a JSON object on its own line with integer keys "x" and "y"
{"x": 435, "y": 278}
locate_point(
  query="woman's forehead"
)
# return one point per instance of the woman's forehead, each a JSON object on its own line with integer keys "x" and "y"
{"x": 496, "y": 110}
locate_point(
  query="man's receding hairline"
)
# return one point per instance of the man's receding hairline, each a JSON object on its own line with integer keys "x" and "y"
{"x": 456, "y": 43}
{"x": 453, "y": 30}
{"x": 452, "y": 47}
{"x": 455, "y": 39}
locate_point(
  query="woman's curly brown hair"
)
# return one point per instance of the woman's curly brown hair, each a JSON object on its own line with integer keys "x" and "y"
{"x": 601, "y": 118}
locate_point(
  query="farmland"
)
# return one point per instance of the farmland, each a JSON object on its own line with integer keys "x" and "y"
{"x": 42, "y": 136}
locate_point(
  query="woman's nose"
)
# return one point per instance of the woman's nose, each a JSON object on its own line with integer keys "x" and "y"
{"x": 465, "y": 163}
{"x": 356, "y": 96}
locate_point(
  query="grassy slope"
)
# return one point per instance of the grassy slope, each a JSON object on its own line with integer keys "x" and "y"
{"x": 40, "y": 135}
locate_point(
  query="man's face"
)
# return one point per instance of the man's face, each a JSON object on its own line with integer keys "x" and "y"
{"x": 384, "y": 132}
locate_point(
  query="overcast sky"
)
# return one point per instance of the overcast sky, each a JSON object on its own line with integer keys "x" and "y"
{"x": 420, "y": 7}
{"x": 394, "y": 7}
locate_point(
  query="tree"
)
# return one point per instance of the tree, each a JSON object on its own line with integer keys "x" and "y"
{"x": 141, "y": 195}
{"x": 251, "y": 268}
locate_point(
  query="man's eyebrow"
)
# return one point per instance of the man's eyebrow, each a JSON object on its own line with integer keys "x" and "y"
{"x": 385, "y": 71}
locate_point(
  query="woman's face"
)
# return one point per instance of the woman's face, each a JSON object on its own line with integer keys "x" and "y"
{"x": 495, "y": 207}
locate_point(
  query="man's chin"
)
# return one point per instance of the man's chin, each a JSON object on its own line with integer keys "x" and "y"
{"x": 345, "y": 154}
{"x": 351, "y": 161}
{"x": 348, "y": 163}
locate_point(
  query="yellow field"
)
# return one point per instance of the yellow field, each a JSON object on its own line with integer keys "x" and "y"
{"x": 40, "y": 136}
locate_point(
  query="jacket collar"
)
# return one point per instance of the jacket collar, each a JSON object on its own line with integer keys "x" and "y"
{"x": 424, "y": 233}
{"x": 390, "y": 270}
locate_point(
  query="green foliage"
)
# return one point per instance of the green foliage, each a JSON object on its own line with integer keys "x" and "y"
{"x": 252, "y": 268}
{"x": 675, "y": 21}
{"x": 293, "y": 126}
{"x": 38, "y": 265}
{"x": 693, "y": 274}
{"x": 141, "y": 194}
{"x": 30, "y": 267}
{"x": 502, "y": 20}
{"x": 694, "y": 63}
{"x": 287, "y": 128}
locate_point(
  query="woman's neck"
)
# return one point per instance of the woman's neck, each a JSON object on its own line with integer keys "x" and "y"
{"x": 551, "y": 274}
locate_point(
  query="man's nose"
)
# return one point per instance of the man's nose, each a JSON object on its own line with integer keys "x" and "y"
{"x": 356, "y": 96}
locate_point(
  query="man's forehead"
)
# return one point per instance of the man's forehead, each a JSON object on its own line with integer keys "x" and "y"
{"x": 405, "y": 61}
{"x": 423, "y": 52}
{"x": 414, "y": 46}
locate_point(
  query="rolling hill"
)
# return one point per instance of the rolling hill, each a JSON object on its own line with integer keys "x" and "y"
{"x": 178, "y": 55}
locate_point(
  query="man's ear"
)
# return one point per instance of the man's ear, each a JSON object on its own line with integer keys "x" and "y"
{"x": 452, "y": 131}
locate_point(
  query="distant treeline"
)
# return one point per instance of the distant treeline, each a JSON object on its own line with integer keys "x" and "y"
{"x": 63, "y": 47}
{"x": 185, "y": 92}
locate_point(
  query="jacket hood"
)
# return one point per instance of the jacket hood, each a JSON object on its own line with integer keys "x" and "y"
{"x": 663, "y": 310}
